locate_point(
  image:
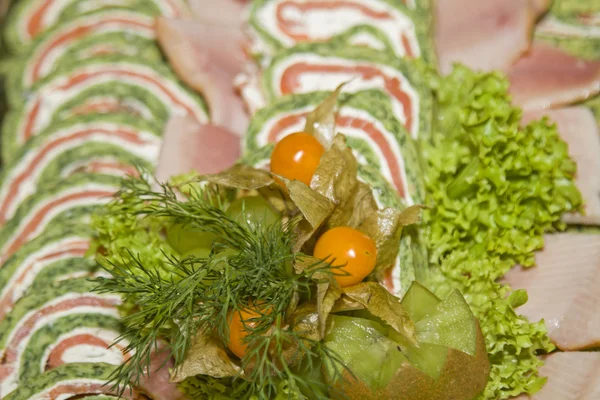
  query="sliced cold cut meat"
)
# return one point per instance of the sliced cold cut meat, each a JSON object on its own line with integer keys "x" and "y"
{"x": 110, "y": 144}
{"x": 100, "y": 84}
{"x": 208, "y": 58}
{"x": 563, "y": 289}
{"x": 219, "y": 12}
{"x": 578, "y": 128}
{"x": 571, "y": 376}
{"x": 190, "y": 146}
{"x": 550, "y": 77}
{"x": 483, "y": 35}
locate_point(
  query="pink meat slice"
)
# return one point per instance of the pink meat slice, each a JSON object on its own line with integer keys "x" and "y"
{"x": 540, "y": 6}
{"x": 578, "y": 128}
{"x": 208, "y": 57}
{"x": 549, "y": 77}
{"x": 563, "y": 289}
{"x": 484, "y": 35}
{"x": 155, "y": 383}
{"x": 190, "y": 146}
{"x": 219, "y": 12}
{"x": 571, "y": 376}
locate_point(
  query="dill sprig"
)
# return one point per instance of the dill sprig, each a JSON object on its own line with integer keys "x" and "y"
{"x": 248, "y": 264}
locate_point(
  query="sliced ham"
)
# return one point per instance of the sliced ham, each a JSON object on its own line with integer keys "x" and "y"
{"x": 540, "y": 6}
{"x": 578, "y": 128}
{"x": 563, "y": 289}
{"x": 219, "y": 12}
{"x": 549, "y": 77}
{"x": 484, "y": 35}
{"x": 190, "y": 146}
{"x": 208, "y": 58}
{"x": 156, "y": 383}
{"x": 571, "y": 376}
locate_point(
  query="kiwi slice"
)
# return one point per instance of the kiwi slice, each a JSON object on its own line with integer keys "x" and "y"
{"x": 364, "y": 347}
{"x": 419, "y": 302}
{"x": 450, "y": 360}
{"x": 453, "y": 325}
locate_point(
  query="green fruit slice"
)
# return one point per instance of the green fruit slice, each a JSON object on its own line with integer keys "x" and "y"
{"x": 450, "y": 361}
{"x": 453, "y": 325}
{"x": 419, "y": 302}
{"x": 365, "y": 348}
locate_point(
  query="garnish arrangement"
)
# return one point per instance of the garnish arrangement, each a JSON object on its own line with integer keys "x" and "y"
{"x": 266, "y": 285}
{"x": 299, "y": 199}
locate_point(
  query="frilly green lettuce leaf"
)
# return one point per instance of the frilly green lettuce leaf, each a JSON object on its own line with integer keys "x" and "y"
{"x": 496, "y": 188}
{"x": 120, "y": 238}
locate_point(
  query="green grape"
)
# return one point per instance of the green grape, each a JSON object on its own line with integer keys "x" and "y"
{"x": 253, "y": 210}
{"x": 200, "y": 252}
{"x": 184, "y": 238}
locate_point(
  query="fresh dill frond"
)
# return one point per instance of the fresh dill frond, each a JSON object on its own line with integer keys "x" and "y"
{"x": 248, "y": 265}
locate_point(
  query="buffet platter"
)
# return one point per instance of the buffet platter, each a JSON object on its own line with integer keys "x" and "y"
{"x": 300, "y": 199}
